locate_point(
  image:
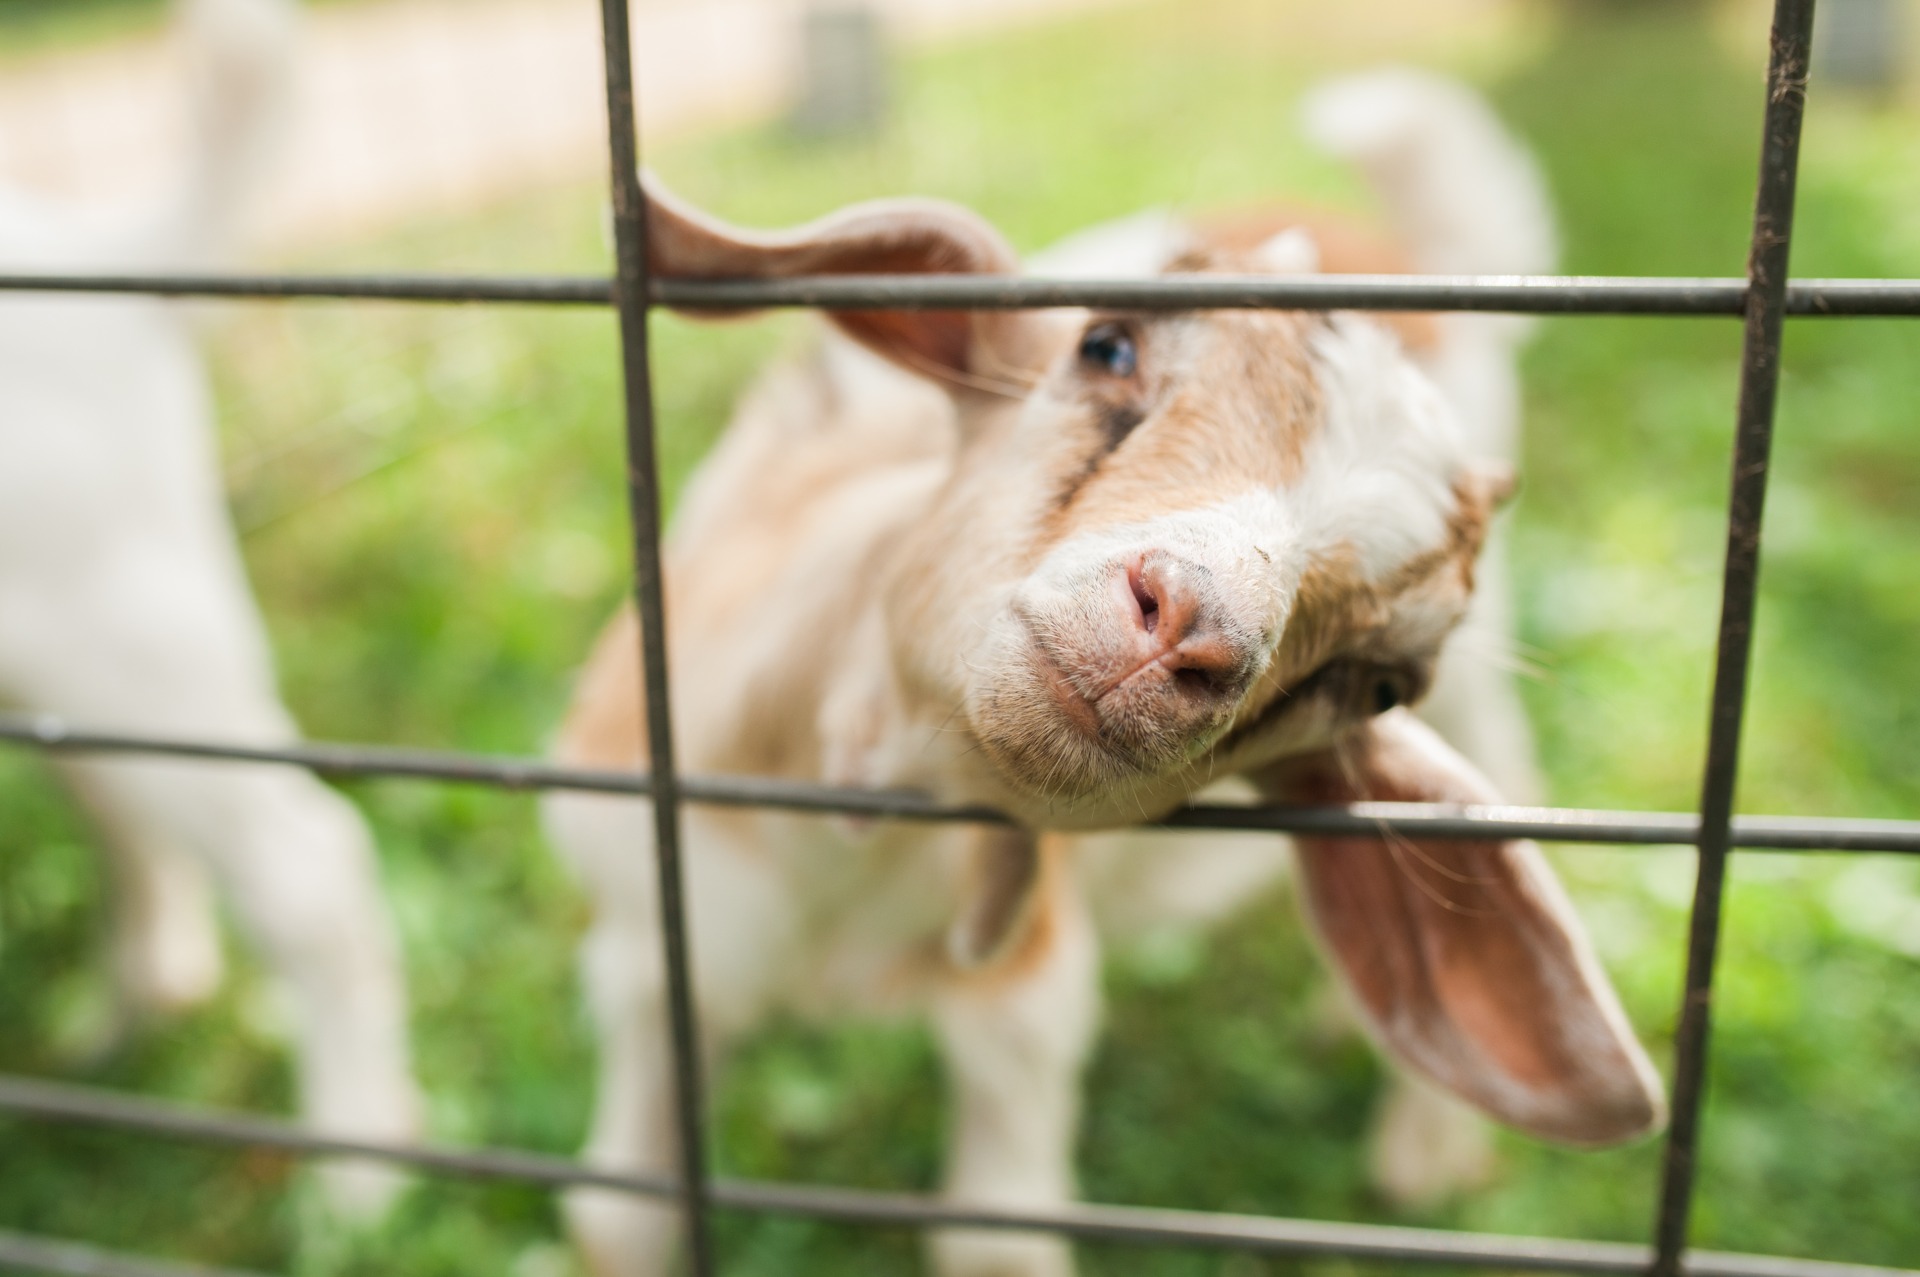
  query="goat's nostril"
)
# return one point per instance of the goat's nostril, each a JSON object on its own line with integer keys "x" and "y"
{"x": 1207, "y": 664}
{"x": 1145, "y": 600}
{"x": 1196, "y": 680}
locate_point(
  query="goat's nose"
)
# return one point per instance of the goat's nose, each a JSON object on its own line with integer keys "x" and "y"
{"x": 1183, "y": 616}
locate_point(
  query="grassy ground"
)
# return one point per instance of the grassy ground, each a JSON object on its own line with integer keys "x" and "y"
{"x": 434, "y": 518}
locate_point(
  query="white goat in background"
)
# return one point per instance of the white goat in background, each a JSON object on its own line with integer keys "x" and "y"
{"x": 124, "y": 603}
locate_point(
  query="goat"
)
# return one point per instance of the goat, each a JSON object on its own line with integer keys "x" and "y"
{"x": 1078, "y": 567}
{"x": 123, "y": 600}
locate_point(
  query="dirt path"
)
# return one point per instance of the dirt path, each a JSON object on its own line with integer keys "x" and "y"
{"x": 419, "y": 105}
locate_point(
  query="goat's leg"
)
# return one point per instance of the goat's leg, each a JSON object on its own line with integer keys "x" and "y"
{"x": 620, "y": 1234}
{"x": 609, "y": 844}
{"x": 166, "y": 936}
{"x": 1015, "y": 1043}
{"x": 297, "y": 865}
{"x": 299, "y": 868}
{"x": 293, "y": 857}
{"x": 739, "y": 917}
{"x": 157, "y": 632}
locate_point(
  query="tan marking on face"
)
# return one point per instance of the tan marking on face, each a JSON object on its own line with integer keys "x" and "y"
{"x": 1347, "y": 246}
{"x": 1228, "y": 402}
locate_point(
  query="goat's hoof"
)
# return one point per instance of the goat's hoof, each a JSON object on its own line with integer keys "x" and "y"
{"x": 618, "y": 1236}
{"x": 384, "y": 1108}
{"x": 984, "y": 1254}
{"x": 360, "y": 1193}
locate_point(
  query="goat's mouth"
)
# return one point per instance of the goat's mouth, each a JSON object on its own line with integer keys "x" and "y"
{"x": 1072, "y": 703}
{"x": 1071, "y": 730}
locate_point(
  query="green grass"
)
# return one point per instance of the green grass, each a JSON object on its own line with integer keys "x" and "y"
{"x": 435, "y": 518}
{"x": 31, "y": 27}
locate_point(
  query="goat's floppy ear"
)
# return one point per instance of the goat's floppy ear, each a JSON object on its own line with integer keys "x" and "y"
{"x": 885, "y": 237}
{"x": 1466, "y": 959}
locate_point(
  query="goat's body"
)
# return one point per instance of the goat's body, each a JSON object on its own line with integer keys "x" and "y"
{"x": 782, "y": 667}
{"x": 769, "y": 568}
{"x": 124, "y": 601}
{"x": 773, "y": 637}
{"x": 759, "y": 590}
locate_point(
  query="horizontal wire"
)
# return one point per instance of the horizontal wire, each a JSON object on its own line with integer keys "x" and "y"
{"x": 551, "y": 290}
{"x": 1513, "y": 294}
{"x": 58, "y": 1101}
{"x": 1521, "y": 294}
{"x": 25, "y": 1253}
{"x": 1369, "y": 819}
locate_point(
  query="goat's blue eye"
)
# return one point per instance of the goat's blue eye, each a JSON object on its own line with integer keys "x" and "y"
{"x": 1110, "y": 348}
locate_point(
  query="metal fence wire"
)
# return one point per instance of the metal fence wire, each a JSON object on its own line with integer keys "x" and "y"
{"x": 1763, "y": 299}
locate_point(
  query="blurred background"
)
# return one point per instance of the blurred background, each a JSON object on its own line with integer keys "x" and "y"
{"x": 431, "y": 505}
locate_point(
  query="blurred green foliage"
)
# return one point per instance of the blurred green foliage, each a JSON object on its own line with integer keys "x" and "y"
{"x": 434, "y": 519}
{"x": 32, "y": 27}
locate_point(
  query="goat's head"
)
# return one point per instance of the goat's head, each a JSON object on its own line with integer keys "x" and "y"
{"x": 1177, "y": 546}
{"x": 1173, "y": 545}
{"x": 1200, "y": 542}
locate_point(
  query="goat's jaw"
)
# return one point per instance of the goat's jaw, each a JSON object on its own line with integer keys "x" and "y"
{"x": 1117, "y": 664}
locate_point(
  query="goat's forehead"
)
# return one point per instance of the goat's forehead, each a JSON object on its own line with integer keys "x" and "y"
{"x": 1251, "y": 374}
{"x": 1266, "y": 347}
{"x": 1225, "y": 409}
{"x": 1324, "y": 412}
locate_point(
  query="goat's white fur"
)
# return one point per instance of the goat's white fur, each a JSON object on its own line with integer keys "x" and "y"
{"x": 124, "y": 602}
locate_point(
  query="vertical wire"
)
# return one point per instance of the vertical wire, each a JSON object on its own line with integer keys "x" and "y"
{"x": 643, "y": 491}
{"x": 1753, "y": 440}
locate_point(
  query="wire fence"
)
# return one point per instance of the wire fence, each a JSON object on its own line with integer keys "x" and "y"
{"x": 1763, "y": 299}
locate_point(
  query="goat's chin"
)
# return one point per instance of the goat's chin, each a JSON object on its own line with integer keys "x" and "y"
{"x": 1061, "y": 769}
